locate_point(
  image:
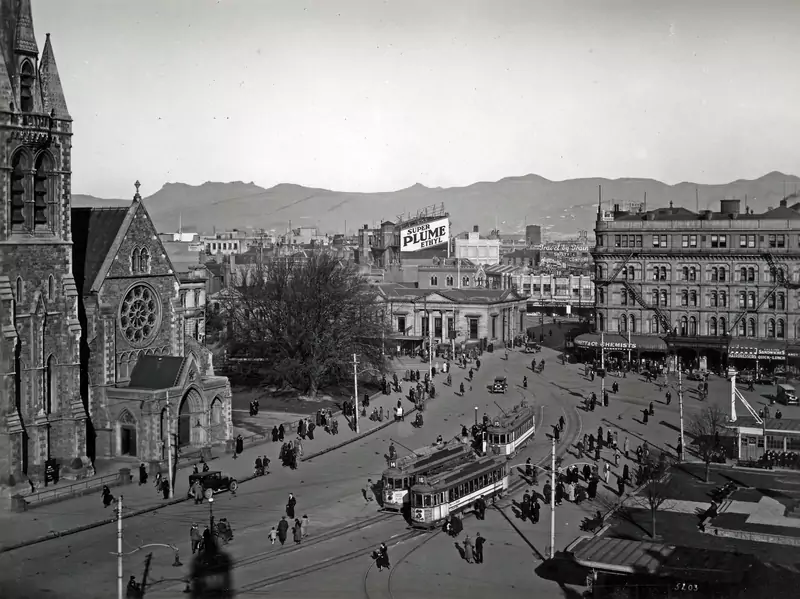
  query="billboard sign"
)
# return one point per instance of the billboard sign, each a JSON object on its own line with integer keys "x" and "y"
{"x": 427, "y": 235}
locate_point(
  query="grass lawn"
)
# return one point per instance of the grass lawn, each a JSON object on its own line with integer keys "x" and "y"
{"x": 739, "y": 522}
{"x": 292, "y": 402}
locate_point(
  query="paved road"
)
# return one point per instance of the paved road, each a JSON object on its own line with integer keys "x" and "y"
{"x": 328, "y": 489}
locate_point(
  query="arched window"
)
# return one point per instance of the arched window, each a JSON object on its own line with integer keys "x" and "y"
{"x": 743, "y": 274}
{"x": 623, "y": 323}
{"x": 144, "y": 260}
{"x": 685, "y": 273}
{"x": 684, "y": 298}
{"x": 449, "y": 281}
{"x": 42, "y": 195}
{"x": 692, "y": 274}
{"x": 714, "y": 299}
{"x": 715, "y": 274}
{"x": 632, "y": 324}
{"x": 655, "y": 297}
{"x": 19, "y": 292}
{"x": 601, "y": 322}
{"x": 692, "y": 327}
{"x": 722, "y": 274}
{"x": 742, "y": 328}
{"x": 662, "y": 273}
{"x": 712, "y": 327}
{"x": 751, "y": 300}
{"x": 722, "y": 328}
{"x": 684, "y": 326}
{"x": 465, "y": 281}
{"x": 781, "y": 329}
{"x": 631, "y": 275}
{"x": 26, "y": 82}
{"x": 17, "y": 193}
{"x": 771, "y": 301}
{"x": 655, "y": 325}
{"x": 51, "y": 390}
{"x": 751, "y": 275}
{"x": 135, "y": 260}
{"x": 723, "y": 299}
{"x": 434, "y": 281}
{"x": 742, "y": 299}
{"x": 693, "y": 298}
{"x": 51, "y": 287}
{"x": 771, "y": 328}
{"x": 781, "y": 301}
{"x": 751, "y": 327}
{"x": 664, "y": 298}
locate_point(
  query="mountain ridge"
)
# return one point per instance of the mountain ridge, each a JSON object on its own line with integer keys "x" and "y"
{"x": 561, "y": 207}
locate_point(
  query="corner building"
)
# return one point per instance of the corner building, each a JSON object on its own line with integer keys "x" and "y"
{"x": 93, "y": 359}
{"x": 719, "y": 287}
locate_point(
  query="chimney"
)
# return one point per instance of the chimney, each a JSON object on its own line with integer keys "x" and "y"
{"x": 475, "y": 229}
{"x": 729, "y": 207}
{"x": 783, "y": 203}
{"x": 366, "y": 227}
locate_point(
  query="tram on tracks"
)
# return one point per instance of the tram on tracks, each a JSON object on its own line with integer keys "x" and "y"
{"x": 406, "y": 471}
{"x": 455, "y": 490}
{"x": 506, "y": 435}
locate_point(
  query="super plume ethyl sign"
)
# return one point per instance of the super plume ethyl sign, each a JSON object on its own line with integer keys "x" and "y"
{"x": 424, "y": 236}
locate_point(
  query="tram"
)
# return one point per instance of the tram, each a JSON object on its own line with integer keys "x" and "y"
{"x": 405, "y": 471}
{"x": 507, "y": 434}
{"x": 453, "y": 491}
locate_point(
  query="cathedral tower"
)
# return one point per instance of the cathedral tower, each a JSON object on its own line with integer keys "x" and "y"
{"x": 42, "y": 415}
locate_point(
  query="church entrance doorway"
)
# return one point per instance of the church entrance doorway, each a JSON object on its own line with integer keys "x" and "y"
{"x": 128, "y": 441}
{"x": 188, "y": 415}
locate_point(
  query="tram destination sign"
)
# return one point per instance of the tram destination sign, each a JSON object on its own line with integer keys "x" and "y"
{"x": 426, "y": 235}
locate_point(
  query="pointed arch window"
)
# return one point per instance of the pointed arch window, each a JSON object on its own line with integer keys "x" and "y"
{"x": 42, "y": 193}
{"x": 434, "y": 281}
{"x": 135, "y": 254}
{"x": 449, "y": 281}
{"x": 51, "y": 389}
{"x": 19, "y": 291}
{"x": 712, "y": 327}
{"x": 26, "y": 83}
{"x": 144, "y": 260}
{"x": 465, "y": 281}
{"x": 51, "y": 288}
{"x": 17, "y": 192}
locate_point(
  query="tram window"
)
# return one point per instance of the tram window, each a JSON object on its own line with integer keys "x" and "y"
{"x": 417, "y": 499}
{"x": 427, "y": 501}
{"x": 405, "y": 482}
{"x": 456, "y": 494}
{"x": 512, "y": 436}
{"x": 450, "y": 496}
{"x": 472, "y": 486}
{"x": 398, "y": 484}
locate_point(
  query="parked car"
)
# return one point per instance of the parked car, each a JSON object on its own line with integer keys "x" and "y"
{"x": 214, "y": 480}
{"x": 696, "y": 375}
{"x": 500, "y": 384}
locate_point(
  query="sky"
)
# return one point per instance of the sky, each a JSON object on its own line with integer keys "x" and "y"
{"x": 372, "y": 95}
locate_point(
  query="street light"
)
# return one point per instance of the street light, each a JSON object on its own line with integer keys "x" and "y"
{"x": 476, "y": 415}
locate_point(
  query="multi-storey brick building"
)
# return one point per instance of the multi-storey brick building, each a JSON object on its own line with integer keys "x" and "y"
{"x": 715, "y": 285}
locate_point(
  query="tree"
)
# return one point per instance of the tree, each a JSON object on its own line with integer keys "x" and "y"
{"x": 656, "y": 489}
{"x": 303, "y": 319}
{"x": 705, "y": 427}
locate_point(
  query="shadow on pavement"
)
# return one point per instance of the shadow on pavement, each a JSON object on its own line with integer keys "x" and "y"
{"x": 563, "y": 569}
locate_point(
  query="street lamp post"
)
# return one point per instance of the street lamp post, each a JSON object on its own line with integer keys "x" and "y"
{"x": 553, "y": 500}
{"x": 602, "y": 366}
{"x": 476, "y": 415}
{"x": 355, "y": 386}
{"x": 680, "y": 407}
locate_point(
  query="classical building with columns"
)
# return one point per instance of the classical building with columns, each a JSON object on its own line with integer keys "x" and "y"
{"x": 470, "y": 316}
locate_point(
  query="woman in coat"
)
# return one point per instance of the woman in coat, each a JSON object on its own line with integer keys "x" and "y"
{"x": 297, "y": 530}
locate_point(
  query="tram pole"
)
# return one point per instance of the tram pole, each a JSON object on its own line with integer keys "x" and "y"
{"x": 602, "y": 367}
{"x": 680, "y": 407}
{"x": 355, "y": 385}
{"x": 553, "y": 501}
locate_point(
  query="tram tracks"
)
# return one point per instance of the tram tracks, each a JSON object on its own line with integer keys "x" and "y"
{"x": 323, "y": 564}
{"x": 388, "y": 585}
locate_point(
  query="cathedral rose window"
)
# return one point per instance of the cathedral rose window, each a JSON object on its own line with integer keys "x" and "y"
{"x": 139, "y": 315}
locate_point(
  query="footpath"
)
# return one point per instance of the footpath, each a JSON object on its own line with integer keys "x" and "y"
{"x": 85, "y": 512}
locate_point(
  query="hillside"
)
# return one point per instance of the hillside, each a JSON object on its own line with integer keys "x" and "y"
{"x": 563, "y": 207}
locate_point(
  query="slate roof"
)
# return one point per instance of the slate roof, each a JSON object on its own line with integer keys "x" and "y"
{"x": 680, "y": 213}
{"x": 180, "y": 255}
{"x": 156, "y": 372}
{"x": 93, "y": 233}
{"x": 400, "y": 291}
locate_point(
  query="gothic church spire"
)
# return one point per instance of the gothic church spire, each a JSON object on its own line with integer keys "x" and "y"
{"x": 52, "y": 92}
{"x": 24, "y": 39}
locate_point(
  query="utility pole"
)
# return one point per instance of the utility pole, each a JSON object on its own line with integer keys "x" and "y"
{"x": 553, "y": 500}
{"x": 355, "y": 386}
{"x": 170, "y": 474}
{"x": 602, "y": 366}
{"x": 120, "y": 592}
{"x": 680, "y": 407}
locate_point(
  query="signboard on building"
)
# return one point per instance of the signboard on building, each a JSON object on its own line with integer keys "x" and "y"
{"x": 426, "y": 235}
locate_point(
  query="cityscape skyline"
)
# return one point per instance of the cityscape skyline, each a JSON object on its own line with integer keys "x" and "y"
{"x": 333, "y": 95}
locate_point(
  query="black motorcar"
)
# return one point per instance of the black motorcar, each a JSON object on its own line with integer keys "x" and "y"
{"x": 500, "y": 384}
{"x": 214, "y": 480}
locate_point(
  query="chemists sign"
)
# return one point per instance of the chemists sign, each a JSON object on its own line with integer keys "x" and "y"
{"x": 424, "y": 236}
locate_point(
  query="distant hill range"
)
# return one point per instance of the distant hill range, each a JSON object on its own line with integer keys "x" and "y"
{"x": 561, "y": 207}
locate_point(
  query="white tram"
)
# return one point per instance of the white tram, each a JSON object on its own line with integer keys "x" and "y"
{"x": 506, "y": 435}
{"x": 405, "y": 471}
{"x": 457, "y": 489}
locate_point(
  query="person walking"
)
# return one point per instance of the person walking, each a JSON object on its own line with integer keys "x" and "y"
{"x": 297, "y": 531}
{"x": 290, "y": 505}
{"x": 195, "y": 536}
{"x": 479, "y": 541}
{"x": 606, "y": 472}
{"x": 627, "y": 447}
{"x": 283, "y": 530}
{"x": 142, "y": 475}
{"x": 304, "y": 526}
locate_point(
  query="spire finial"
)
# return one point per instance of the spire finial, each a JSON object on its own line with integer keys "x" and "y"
{"x": 136, "y": 196}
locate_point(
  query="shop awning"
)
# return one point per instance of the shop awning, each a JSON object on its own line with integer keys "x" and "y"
{"x": 616, "y": 342}
{"x": 757, "y": 349}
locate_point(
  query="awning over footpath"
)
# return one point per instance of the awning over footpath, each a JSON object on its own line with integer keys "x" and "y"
{"x": 758, "y": 349}
{"x": 616, "y": 342}
{"x": 640, "y": 557}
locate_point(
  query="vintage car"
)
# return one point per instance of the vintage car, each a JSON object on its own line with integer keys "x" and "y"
{"x": 695, "y": 375}
{"x": 214, "y": 480}
{"x": 531, "y": 347}
{"x": 500, "y": 384}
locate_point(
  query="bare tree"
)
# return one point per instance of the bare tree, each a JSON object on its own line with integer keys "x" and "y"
{"x": 656, "y": 489}
{"x": 705, "y": 427}
{"x": 304, "y": 319}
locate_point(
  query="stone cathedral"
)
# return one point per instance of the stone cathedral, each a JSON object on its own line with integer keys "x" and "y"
{"x": 93, "y": 360}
